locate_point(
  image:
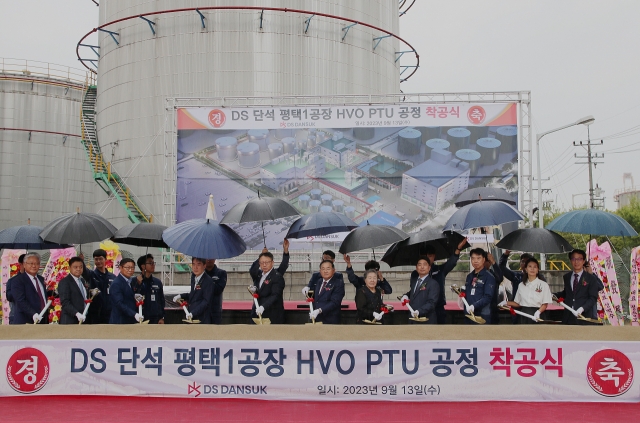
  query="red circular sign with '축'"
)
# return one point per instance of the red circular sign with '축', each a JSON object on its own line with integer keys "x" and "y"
{"x": 476, "y": 115}
{"x": 27, "y": 370}
{"x": 217, "y": 118}
{"x": 610, "y": 373}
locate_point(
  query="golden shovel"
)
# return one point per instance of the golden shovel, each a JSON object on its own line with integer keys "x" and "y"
{"x": 415, "y": 319}
{"x": 310, "y": 301}
{"x": 184, "y": 304}
{"x": 579, "y": 316}
{"x": 258, "y": 320}
{"x": 470, "y": 316}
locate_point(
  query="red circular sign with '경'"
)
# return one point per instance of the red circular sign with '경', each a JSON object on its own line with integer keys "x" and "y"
{"x": 610, "y": 373}
{"x": 27, "y": 370}
{"x": 217, "y": 118}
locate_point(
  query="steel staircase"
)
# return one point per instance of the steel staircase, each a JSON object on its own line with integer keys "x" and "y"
{"x": 103, "y": 173}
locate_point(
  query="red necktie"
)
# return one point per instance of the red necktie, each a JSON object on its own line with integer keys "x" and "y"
{"x": 575, "y": 282}
{"x": 39, "y": 292}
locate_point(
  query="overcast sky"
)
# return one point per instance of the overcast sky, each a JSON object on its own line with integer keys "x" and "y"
{"x": 577, "y": 57}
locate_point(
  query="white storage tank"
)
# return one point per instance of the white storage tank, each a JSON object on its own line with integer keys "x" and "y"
{"x": 472, "y": 157}
{"x": 227, "y": 148}
{"x": 314, "y": 206}
{"x": 326, "y": 199}
{"x": 435, "y": 144}
{"x": 489, "y": 148}
{"x": 350, "y": 212}
{"x": 289, "y": 145}
{"x": 260, "y": 137}
{"x": 303, "y": 201}
{"x": 275, "y": 150}
{"x": 409, "y": 141}
{"x": 338, "y": 206}
{"x": 248, "y": 155}
{"x": 460, "y": 138}
{"x": 315, "y": 194}
{"x": 508, "y": 136}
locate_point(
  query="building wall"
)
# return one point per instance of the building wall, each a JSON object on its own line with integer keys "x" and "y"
{"x": 231, "y": 57}
{"x": 42, "y": 176}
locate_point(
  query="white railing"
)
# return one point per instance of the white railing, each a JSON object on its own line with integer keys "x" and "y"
{"x": 44, "y": 70}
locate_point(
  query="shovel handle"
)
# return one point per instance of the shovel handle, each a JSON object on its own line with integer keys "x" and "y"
{"x": 84, "y": 312}
{"x": 46, "y": 306}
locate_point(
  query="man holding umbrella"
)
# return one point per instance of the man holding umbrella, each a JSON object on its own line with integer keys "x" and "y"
{"x": 479, "y": 287}
{"x": 439, "y": 273}
{"x": 151, "y": 289}
{"x": 101, "y": 278}
{"x": 123, "y": 299}
{"x": 580, "y": 290}
{"x": 268, "y": 285}
{"x": 201, "y": 294}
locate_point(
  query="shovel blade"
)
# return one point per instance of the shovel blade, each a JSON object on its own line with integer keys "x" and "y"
{"x": 191, "y": 321}
{"x": 372, "y": 322}
{"x": 258, "y": 321}
{"x": 419, "y": 319}
{"x": 313, "y": 323}
{"x": 476, "y": 319}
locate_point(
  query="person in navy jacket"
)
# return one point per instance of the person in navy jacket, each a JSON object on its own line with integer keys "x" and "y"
{"x": 151, "y": 289}
{"x": 9, "y": 295}
{"x": 315, "y": 276}
{"x": 479, "y": 287}
{"x": 101, "y": 278}
{"x": 219, "y": 278}
{"x": 424, "y": 292}
{"x": 328, "y": 295}
{"x": 29, "y": 293}
{"x": 200, "y": 297}
{"x": 123, "y": 301}
{"x": 269, "y": 286}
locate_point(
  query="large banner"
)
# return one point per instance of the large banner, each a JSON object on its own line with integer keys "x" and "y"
{"x": 321, "y": 371}
{"x": 392, "y": 164}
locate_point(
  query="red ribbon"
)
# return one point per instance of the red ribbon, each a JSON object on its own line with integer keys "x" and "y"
{"x": 184, "y": 304}
{"x": 512, "y": 311}
{"x": 384, "y": 310}
{"x": 255, "y": 295}
{"x": 51, "y": 298}
{"x": 87, "y": 301}
{"x": 309, "y": 300}
{"x": 405, "y": 302}
{"x": 561, "y": 300}
{"x": 462, "y": 295}
{"x": 139, "y": 303}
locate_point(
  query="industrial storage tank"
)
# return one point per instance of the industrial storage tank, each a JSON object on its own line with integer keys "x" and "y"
{"x": 409, "y": 141}
{"x": 364, "y": 134}
{"x": 489, "y": 148}
{"x": 350, "y": 212}
{"x": 508, "y": 135}
{"x": 472, "y": 157}
{"x": 429, "y": 132}
{"x": 227, "y": 148}
{"x": 314, "y": 206}
{"x": 275, "y": 150}
{"x": 326, "y": 209}
{"x": 459, "y": 138}
{"x": 326, "y": 199}
{"x": 284, "y": 133}
{"x": 303, "y": 201}
{"x": 248, "y": 155}
{"x": 338, "y": 206}
{"x": 435, "y": 144}
{"x": 315, "y": 194}
{"x": 230, "y": 53}
{"x": 289, "y": 145}
{"x": 260, "y": 137}
{"x": 44, "y": 168}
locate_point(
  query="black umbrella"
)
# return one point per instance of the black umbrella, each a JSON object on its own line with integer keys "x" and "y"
{"x": 535, "y": 240}
{"x": 259, "y": 210}
{"x": 141, "y": 234}
{"x": 371, "y": 236}
{"x": 26, "y": 237}
{"x": 485, "y": 194}
{"x": 482, "y": 213}
{"x": 320, "y": 224}
{"x": 407, "y": 252}
{"x": 78, "y": 228}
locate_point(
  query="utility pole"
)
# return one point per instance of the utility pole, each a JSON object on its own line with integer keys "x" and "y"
{"x": 591, "y": 160}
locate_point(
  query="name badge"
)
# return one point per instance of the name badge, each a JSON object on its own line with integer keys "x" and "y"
{"x": 473, "y": 291}
{"x": 108, "y": 290}
{"x": 153, "y": 297}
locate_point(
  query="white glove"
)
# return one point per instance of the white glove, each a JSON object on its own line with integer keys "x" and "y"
{"x": 415, "y": 313}
{"x": 503, "y": 304}
{"x": 578, "y": 311}
{"x": 139, "y": 317}
{"x": 140, "y": 297}
{"x": 36, "y": 318}
{"x": 260, "y": 310}
{"x": 314, "y": 314}
{"x": 253, "y": 289}
{"x": 177, "y": 298}
{"x": 470, "y": 309}
{"x": 377, "y": 316}
{"x": 404, "y": 297}
{"x": 305, "y": 291}
{"x": 81, "y": 317}
{"x": 189, "y": 316}
{"x": 536, "y": 316}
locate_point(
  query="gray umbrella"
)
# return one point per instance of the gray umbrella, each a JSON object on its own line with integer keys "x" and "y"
{"x": 485, "y": 194}
{"x": 259, "y": 210}
{"x": 141, "y": 234}
{"x": 371, "y": 236}
{"x": 27, "y": 237}
{"x": 535, "y": 240}
{"x": 78, "y": 228}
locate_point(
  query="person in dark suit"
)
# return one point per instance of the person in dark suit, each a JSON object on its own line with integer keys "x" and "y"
{"x": 29, "y": 292}
{"x": 123, "y": 301}
{"x": 73, "y": 291}
{"x": 369, "y": 299}
{"x": 200, "y": 297}
{"x": 315, "y": 276}
{"x": 255, "y": 269}
{"x": 328, "y": 295}
{"x": 580, "y": 290}
{"x": 358, "y": 282}
{"x": 269, "y": 285}
{"x": 219, "y": 278}
{"x": 424, "y": 293}
{"x": 9, "y": 294}
{"x": 480, "y": 287}
{"x": 101, "y": 278}
{"x": 151, "y": 289}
